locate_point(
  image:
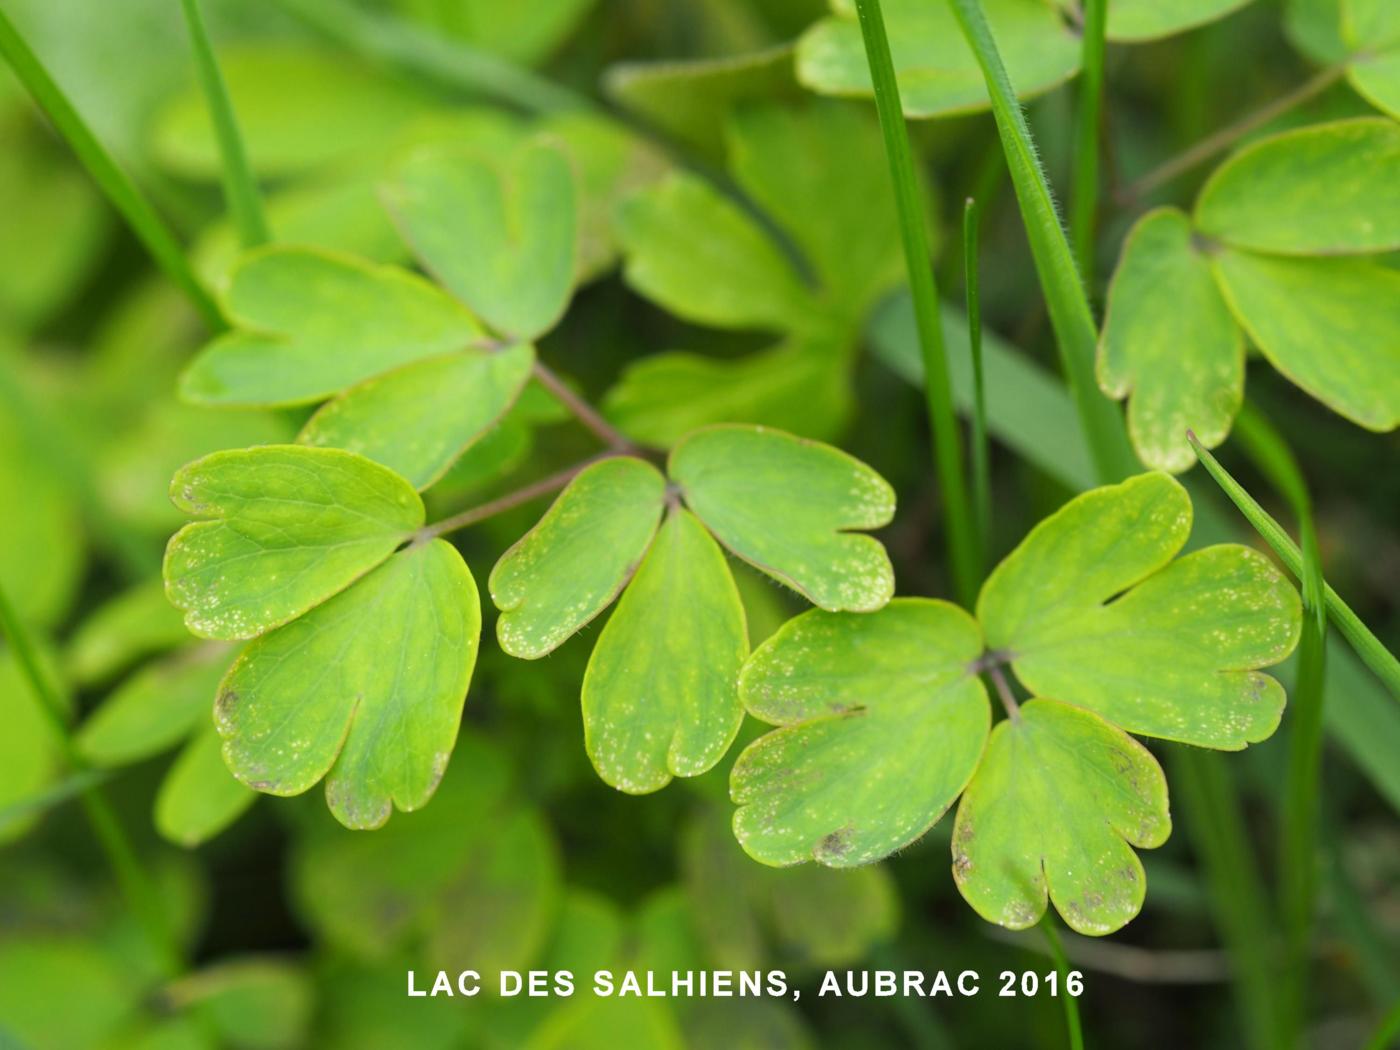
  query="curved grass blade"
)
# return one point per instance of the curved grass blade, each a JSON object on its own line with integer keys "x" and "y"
{"x": 981, "y": 457}
{"x": 1073, "y": 1028}
{"x": 148, "y": 226}
{"x": 1084, "y": 199}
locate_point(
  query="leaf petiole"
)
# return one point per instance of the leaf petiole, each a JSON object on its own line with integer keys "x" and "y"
{"x": 585, "y": 413}
{"x": 511, "y": 500}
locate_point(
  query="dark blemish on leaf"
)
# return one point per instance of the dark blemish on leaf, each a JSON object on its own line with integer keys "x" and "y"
{"x": 225, "y": 703}
{"x": 262, "y": 785}
{"x": 835, "y": 844}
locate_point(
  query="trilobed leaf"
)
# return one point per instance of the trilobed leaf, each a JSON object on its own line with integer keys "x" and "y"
{"x": 882, "y": 722}
{"x": 418, "y": 419}
{"x": 285, "y": 528}
{"x": 1057, "y": 804}
{"x": 660, "y": 697}
{"x": 365, "y": 690}
{"x": 1170, "y": 344}
{"x": 1091, "y": 610}
{"x": 570, "y": 566}
{"x": 308, "y": 324}
{"x": 500, "y": 235}
{"x": 788, "y": 507}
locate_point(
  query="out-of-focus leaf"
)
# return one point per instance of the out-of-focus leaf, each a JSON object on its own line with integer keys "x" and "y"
{"x": 1131, "y": 21}
{"x": 1094, "y": 612}
{"x": 1315, "y": 28}
{"x": 309, "y": 324}
{"x": 934, "y": 68}
{"x": 790, "y": 507}
{"x": 199, "y": 797}
{"x": 1371, "y": 29}
{"x": 30, "y": 756}
{"x": 136, "y": 623}
{"x": 335, "y": 694}
{"x": 418, "y": 419}
{"x": 572, "y": 564}
{"x": 703, "y": 259}
{"x": 883, "y": 722}
{"x": 595, "y": 1023}
{"x": 526, "y": 32}
{"x": 285, "y": 528}
{"x": 1169, "y": 344}
{"x": 501, "y": 235}
{"x": 36, "y": 973}
{"x": 746, "y": 1024}
{"x": 298, "y": 108}
{"x": 660, "y": 697}
{"x": 1332, "y": 326}
{"x": 253, "y": 1003}
{"x": 1056, "y": 806}
{"x": 1324, "y": 189}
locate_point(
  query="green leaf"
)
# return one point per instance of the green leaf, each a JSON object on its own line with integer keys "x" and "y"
{"x": 1371, "y": 29}
{"x": 36, "y": 970}
{"x": 337, "y": 695}
{"x": 810, "y": 170}
{"x": 786, "y": 506}
{"x": 1057, "y": 804}
{"x": 418, "y": 419}
{"x": 1169, "y": 344}
{"x": 310, "y": 323}
{"x": 598, "y": 1023}
{"x": 660, "y": 697}
{"x": 155, "y": 708}
{"x": 936, "y": 72}
{"x": 199, "y": 797}
{"x": 136, "y": 623}
{"x": 1091, "y": 610}
{"x": 570, "y": 566}
{"x": 287, "y": 527}
{"x": 30, "y": 755}
{"x": 1132, "y": 21}
{"x": 832, "y": 918}
{"x": 1324, "y": 189}
{"x": 298, "y": 107}
{"x": 264, "y": 1004}
{"x": 883, "y": 720}
{"x": 1332, "y": 326}
{"x": 501, "y": 236}
{"x": 523, "y": 32}
{"x": 802, "y": 385}
{"x": 703, "y": 259}
{"x": 1314, "y": 28}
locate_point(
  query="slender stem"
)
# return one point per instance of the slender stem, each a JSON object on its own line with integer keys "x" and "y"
{"x": 582, "y": 410}
{"x": 1298, "y": 824}
{"x": 141, "y": 894}
{"x": 947, "y": 445}
{"x": 1131, "y": 963}
{"x": 1364, "y": 643}
{"x": 1070, "y": 315}
{"x": 240, "y": 187}
{"x": 115, "y": 183}
{"x": 1008, "y": 698}
{"x": 399, "y": 42}
{"x": 1226, "y": 137}
{"x": 509, "y": 501}
{"x": 981, "y": 455}
{"x": 1386, "y": 1031}
{"x": 1073, "y": 1028}
{"x": 1084, "y": 199}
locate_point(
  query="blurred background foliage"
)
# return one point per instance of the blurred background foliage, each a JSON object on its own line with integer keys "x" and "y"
{"x": 300, "y": 932}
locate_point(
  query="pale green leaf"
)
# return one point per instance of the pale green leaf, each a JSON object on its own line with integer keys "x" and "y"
{"x": 337, "y": 694}
{"x": 38, "y": 971}
{"x": 1091, "y": 610}
{"x": 832, "y": 918}
{"x": 1332, "y": 326}
{"x": 501, "y": 235}
{"x": 1057, "y": 804}
{"x": 883, "y": 720}
{"x": 936, "y": 73}
{"x": 1371, "y": 29}
{"x": 660, "y": 697}
{"x": 254, "y": 1003}
{"x": 525, "y": 32}
{"x": 702, "y": 258}
{"x": 810, "y": 170}
{"x": 1131, "y": 21}
{"x": 1314, "y": 27}
{"x": 1324, "y": 189}
{"x": 606, "y": 1023}
{"x": 136, "y": 623}
{"x": 155, "y": 708}
{"x": 298, "y": 108}
{"x": 287, "y": 527}
{"x": 309, "y": 323}
{"x": 802, "y": 385}
{"x": 570, "y": 566}
{"x": 199, "y": 797}
{"x": 787, "y": 506}
{"x": 1169, "y": 344}
{"x": 418, "y": 419}
{"x": 30, "y": 753}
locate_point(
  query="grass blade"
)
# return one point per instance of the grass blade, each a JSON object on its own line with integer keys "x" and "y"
{"x": 1084, "y": 200}
{"x": 110, "y": 178}
{"x": 1070, "y": 315}
{"x": 981, "y": 455}
{"x": 1365, "y": 644}
{"x": 240, "y": 187}
{"x": 963, "y": 543}
{"x": 1298, "y": 822}
{"x": 1073, "y": 1029}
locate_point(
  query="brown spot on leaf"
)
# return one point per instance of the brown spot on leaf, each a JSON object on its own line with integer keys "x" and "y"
{"x": 835, "y": 844}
